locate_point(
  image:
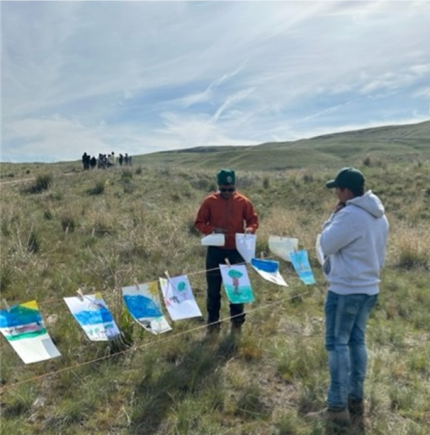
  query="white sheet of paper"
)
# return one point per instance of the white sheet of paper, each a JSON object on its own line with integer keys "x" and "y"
{"x": 35, "y": 350}
{"x": 236, "y": 283}
{"x": 179, "y": 298}
{"x": 269, "y": 270}
{"x": 320, "y": 253}
{"x": 245, "y": 244}
{"x": 24, "y": 329}
{"x": 93, "y": 316}
{"x": 144, "y": 304}
{"x": 282, "y": 246}
{"x": 213, "y": 240}
{"x": 300, "y": 260}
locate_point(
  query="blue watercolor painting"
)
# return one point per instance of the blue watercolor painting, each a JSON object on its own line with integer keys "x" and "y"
{"x": 102, "y": 315}
{"x": 269, "y": 270}
{"x": 19, "y": 315}
{"x": 141, "y": 306}
{"x": 269, "y": 266}
{"x": 144, "y": 304}
{"x": 300, "y": 261}
{"x": 23, "y": 327}
{"x": 236, "y": 284}
{"x": 94, "y": 317}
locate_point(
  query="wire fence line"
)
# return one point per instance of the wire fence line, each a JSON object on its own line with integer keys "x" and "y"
{"x": 198, "y": 272}
{"x": 145, "y": 345}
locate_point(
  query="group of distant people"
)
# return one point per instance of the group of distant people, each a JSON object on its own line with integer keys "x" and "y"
{"x": 105, "y": 161}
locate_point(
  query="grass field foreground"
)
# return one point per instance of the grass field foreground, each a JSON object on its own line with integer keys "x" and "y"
{"x": 64, "y": 229}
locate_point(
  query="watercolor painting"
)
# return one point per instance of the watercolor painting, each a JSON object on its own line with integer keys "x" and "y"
{"x": 236, "y": 283}
{"x": 24, "y": 329}
{"x": 93, "y": 315}
{"x": 283, "y": 246}
{"x": 179, "y": 298}
{"x": 269, "y": 270}
{"x": 302, "y": 267}
{"x": 144, "y": 304}
{"x": 245, "y": 244}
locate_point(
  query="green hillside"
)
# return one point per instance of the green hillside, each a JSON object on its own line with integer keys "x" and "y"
{"x": 380, "y": 144}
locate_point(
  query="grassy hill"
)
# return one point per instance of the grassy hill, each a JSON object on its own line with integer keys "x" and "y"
{"x": 62, "y": 229}
{"x": 392, "y": 143}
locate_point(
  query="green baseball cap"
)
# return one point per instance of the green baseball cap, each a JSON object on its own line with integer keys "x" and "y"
{"x": 226, "y": 176}
{"x": 347, "y": 178}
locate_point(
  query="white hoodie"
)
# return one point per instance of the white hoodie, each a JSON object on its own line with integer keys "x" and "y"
{"x": 354, "y": 240}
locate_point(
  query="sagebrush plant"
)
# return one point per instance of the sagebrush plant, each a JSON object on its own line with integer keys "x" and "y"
{"x": 43, "y": 182}
{"x": 103, "y": 229}
{"x": 98, "y": 188}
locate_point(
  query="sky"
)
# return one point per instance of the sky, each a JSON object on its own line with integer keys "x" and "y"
{"x": 139, "y": 77}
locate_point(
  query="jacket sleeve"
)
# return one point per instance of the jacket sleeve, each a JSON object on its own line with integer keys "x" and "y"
{"x": 251, "y": 218}
{"x": 339, "y": 231}
{"x": 202, "y": 222}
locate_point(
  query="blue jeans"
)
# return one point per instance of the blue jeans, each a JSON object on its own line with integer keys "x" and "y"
{"x": 346, "y": 317}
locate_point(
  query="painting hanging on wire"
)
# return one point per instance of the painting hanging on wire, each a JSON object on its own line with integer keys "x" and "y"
{"x": 269, "y": 270}
{"x": 91, "y": 312}
{"x": 283, "y": 246}
{"x": 143, "y": 303}
{"x": 236, "y": 283}
{"x": 302, "y": 267}
{"x": 23, "y": 327}
{"x": 179, "y": 298}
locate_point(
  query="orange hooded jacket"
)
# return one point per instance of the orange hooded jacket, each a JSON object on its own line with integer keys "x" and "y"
{"x": 233, "y": 215}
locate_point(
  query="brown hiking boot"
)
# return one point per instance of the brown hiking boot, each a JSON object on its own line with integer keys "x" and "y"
{"x": 359, "y": 422}
{"x": 337, "y": 421}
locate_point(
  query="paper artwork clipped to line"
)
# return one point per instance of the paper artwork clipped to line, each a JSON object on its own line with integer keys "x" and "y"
{"x": 143, "y": 303}
{"x": 179, "y": 298}
{"x": 213, "y": 240}
{"x": 236, "y": 283}
{"x": 318, "y": 249}
{"x": 91, "y": 312}
{"x": 302, "y": 267}
{"x": 245, "y": 244}
{"x": 24, "y": 329}
{"x": 283, "y": 246}
{"x": 269, "y": 270}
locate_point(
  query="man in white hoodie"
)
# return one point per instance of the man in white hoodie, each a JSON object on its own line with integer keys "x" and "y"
{"x": 353, "y": 241}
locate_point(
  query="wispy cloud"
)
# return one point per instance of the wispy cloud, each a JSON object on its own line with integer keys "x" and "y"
{"x": 140, "y": 77}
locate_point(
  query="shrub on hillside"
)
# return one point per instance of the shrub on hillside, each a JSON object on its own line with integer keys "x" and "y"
{"x": 413, "y": 252}
{"x": 127, "y": 174}
{"x": 203, "y": 184}
{"x": 413, "y": 259}
{"x": 128, "y": 188}
{"x": 33, "y": 242}
{"x": 98, "y": 189}
{"x": 367, "y": 161}
{"x": 43, "y": 182}
{"x": 308, "y": 178}
{"x": 47, "y": 214}
{"x": 68, "y": 222}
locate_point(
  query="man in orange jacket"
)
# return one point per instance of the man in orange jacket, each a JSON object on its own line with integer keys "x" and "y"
{"x": 227, "y": 212}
